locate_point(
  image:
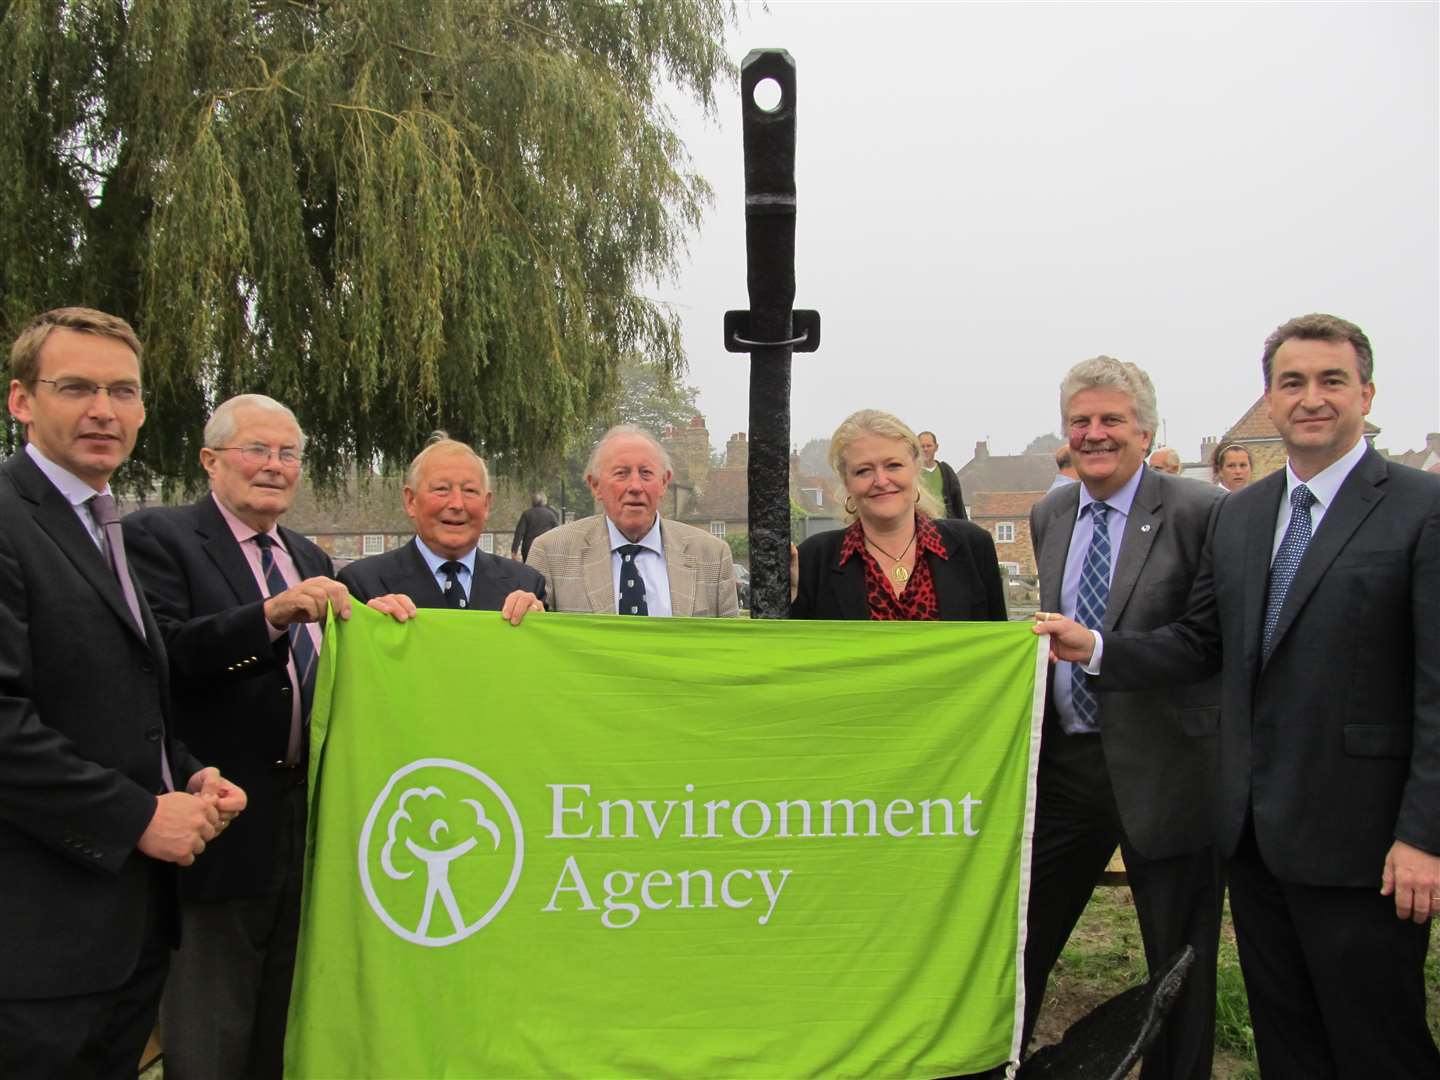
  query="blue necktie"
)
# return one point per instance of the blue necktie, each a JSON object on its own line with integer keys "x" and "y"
{"x": 454, "y": 591}
{"x": 632, "y": 585}
{"x": 1090, "y": 603}
{"x": 302, "y": 648}
{"x": 1287, "y": 560}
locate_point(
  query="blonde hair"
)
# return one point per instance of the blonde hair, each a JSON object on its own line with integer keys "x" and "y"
{"x": 25, "y": 352}
{"x": 441, "y": 445}
{"x": 888, "y": 426}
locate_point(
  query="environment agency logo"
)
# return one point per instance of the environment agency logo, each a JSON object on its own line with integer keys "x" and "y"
{"x": 440, "y": 852}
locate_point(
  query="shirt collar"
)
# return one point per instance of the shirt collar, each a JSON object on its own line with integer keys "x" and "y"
{"x": 651, "y": 540}
{"x": 243, "y": 532}
{"x": 1122, "y": 500}
{"x": 76, "y": 491}
{"x": 1325, "y": 484}
{"x": 433, "y": 561}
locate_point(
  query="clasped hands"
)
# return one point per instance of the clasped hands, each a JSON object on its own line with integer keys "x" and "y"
{"x": 186, "y": 821}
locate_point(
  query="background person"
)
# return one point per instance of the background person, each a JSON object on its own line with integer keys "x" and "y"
{"x": 534, "y": 522}
{"x": 677, "y": 569}
{"x": 1230, "y": 466}
{"x": 939, "y": 478}
{"x": 1167, "y": 460}
{"x": 239, "y": 599}
{"x": 1138, "y": 770}
{"x": 447, "y": 495}
{"x": 97, "y": 799}
{"x": 1317, "y": 602}
{"x": 895, "y": 560}
{"x": 1064, "y": 468}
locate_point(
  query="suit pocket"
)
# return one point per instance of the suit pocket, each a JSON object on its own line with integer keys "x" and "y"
{"x": 1378, "y": 740}
{"x": 1200, "y": 722}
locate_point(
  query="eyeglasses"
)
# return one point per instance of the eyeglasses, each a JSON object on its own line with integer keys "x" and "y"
{"x": 78, "y": 390}
{"x": 260, "y": 454}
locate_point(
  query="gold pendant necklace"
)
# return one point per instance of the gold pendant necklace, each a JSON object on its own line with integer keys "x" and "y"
{"x": 898, "y": 572}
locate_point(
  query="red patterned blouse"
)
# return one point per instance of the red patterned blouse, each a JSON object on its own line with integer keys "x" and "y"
{"x": 918, "y": 602}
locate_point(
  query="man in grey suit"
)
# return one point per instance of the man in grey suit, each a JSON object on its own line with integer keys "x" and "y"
{"x": 1120, "y": 550}
{"x": 629, "y": 560}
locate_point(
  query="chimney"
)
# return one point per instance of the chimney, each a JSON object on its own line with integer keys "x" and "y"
{"x": 737, "y": 452}
{"x": 982, "y": 450}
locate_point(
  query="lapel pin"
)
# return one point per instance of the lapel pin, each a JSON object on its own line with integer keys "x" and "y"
{"x": 1144, "y": 528}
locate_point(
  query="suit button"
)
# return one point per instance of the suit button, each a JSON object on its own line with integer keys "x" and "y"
{"x": 152, "y": 734}
{"x": 148, "y": 668}
{"x": 285, "y": 691}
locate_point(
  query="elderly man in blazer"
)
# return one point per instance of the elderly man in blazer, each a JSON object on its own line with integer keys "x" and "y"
{"x": 239, "y": 598}
{"x": 629, "y": 560}
{"x": 447, "y": 495}
{"x": 1121, "y": 548}
{"x": 1320, "y": 591}
{"x": 97, "y": 800}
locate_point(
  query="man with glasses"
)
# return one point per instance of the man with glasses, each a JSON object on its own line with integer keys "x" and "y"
{"x": 240, "y": 599}
{"x": 97, "y": 800}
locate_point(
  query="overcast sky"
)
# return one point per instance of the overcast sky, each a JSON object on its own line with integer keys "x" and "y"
{"x": 990, "y": 193}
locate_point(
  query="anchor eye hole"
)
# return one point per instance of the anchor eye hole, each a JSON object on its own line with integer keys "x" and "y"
{"x": 767, "y": 95}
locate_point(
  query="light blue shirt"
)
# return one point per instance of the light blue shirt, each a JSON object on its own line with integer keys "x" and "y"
{"x": 1324, "y": 485}
{"x": 650, "y": 563}
{"x": 433, "y": 561}
{"x": 76, "y": 491}
{"x": 1120, "y": 504}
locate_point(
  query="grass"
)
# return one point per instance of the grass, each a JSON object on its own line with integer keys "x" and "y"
{"x": 1105, "y": 956}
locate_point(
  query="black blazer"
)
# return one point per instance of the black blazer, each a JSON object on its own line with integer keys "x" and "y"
{"x": 1159, "y": 744}
{"x": 1334, "y": 741}
{"x": 967, "y": 583}
{"x": 954, "y": 497}
{"x": 231, "y": 689}
{"x": 83, "y": 708}
{"x": 404, "y": 571}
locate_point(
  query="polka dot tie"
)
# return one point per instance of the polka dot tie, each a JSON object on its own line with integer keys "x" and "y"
{"x": 632, "y": 585}
{"x": 1287, "y": 560}
{"x": 1090, "y": 601}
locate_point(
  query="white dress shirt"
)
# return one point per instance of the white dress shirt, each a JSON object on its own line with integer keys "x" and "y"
{"x": 650, "y": 563}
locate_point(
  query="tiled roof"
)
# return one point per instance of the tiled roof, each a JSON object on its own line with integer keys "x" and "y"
{"x": 1013, "y": 472}
{"x": 1255, "y": 424}
{"x": 1003, "y": 504}
{"x": 725, "y": 498}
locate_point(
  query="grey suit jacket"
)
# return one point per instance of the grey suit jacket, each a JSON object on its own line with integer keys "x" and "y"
{"x": 1159, "y": 744}
{"x": 575, "y": 560}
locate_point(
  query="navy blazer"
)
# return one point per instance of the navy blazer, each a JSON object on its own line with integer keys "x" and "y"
{"x": 229, "y": 680}
{"x": 968, "y": 586}
{"x": 404, "y": 571}
{"x": 83, "y": 710}
{"x": 1332, "y": 743}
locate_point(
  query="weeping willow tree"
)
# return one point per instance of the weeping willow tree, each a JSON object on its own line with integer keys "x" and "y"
{"x": 391, "y": 215}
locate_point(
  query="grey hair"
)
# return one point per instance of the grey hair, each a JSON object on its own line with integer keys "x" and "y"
{"x": 887, "y": 426}
{"x": 439, "y": 444}
{"x": 1107, "y": 373}
{"x": 220, "y": 429}
{"x": 538, "y": 499}
{"x": 618, "y": 431}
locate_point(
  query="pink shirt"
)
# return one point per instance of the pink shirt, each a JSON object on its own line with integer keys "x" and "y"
{"x": 245, "y": 537}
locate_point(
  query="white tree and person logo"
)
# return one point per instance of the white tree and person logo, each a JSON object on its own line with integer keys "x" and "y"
{"x": 440, "y": 852}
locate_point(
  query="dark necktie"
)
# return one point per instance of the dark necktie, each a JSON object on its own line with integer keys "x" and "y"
{"x": 102, "y": 509}
{"x": 1094, "y": 593}
{"x": 302, "y": 646}
{"x": 632, "y": 585}
{"x": 1287, "y": 560}
{"x": 454, "y": 591}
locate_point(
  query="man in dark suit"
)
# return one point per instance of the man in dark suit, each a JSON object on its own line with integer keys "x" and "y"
{"x": 96, "y": 797}
{"x": 448, "y": 496}
{"x": 940, "y": 478}
{"x": 1320, "y": 589}
{"x": 1122, "y": 547}
{"x": 239, "y": 599}
{"x": 533, "y": 524}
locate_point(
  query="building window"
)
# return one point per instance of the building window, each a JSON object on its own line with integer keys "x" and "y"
{"x": 1012, "y": 569}
{"x": 717, "y": 528}
{"x": 372, "y": 544}
{"x": 487, "y": 543}
{"x": 1005, "y": 532}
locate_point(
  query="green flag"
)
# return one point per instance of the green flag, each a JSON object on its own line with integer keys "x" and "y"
{"x": 597, "y": 846}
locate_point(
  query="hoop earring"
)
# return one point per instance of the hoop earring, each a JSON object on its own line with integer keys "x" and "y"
{"x": 850, "y": 507}
{"x": 917, "y": 496}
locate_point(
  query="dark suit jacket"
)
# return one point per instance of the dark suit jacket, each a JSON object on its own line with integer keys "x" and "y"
{"x": 404, "y": 571}
{"x": 83, "y": 708}
{"x": 950, "y": 486}
{"x": 1334, "y": 742}
{"x": 232, "y": 693}
{"x": 967, "y": 583}
{"x": 1159, "y": 744}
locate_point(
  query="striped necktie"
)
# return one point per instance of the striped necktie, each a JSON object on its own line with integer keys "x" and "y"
{"x": 1094, "y": 594}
